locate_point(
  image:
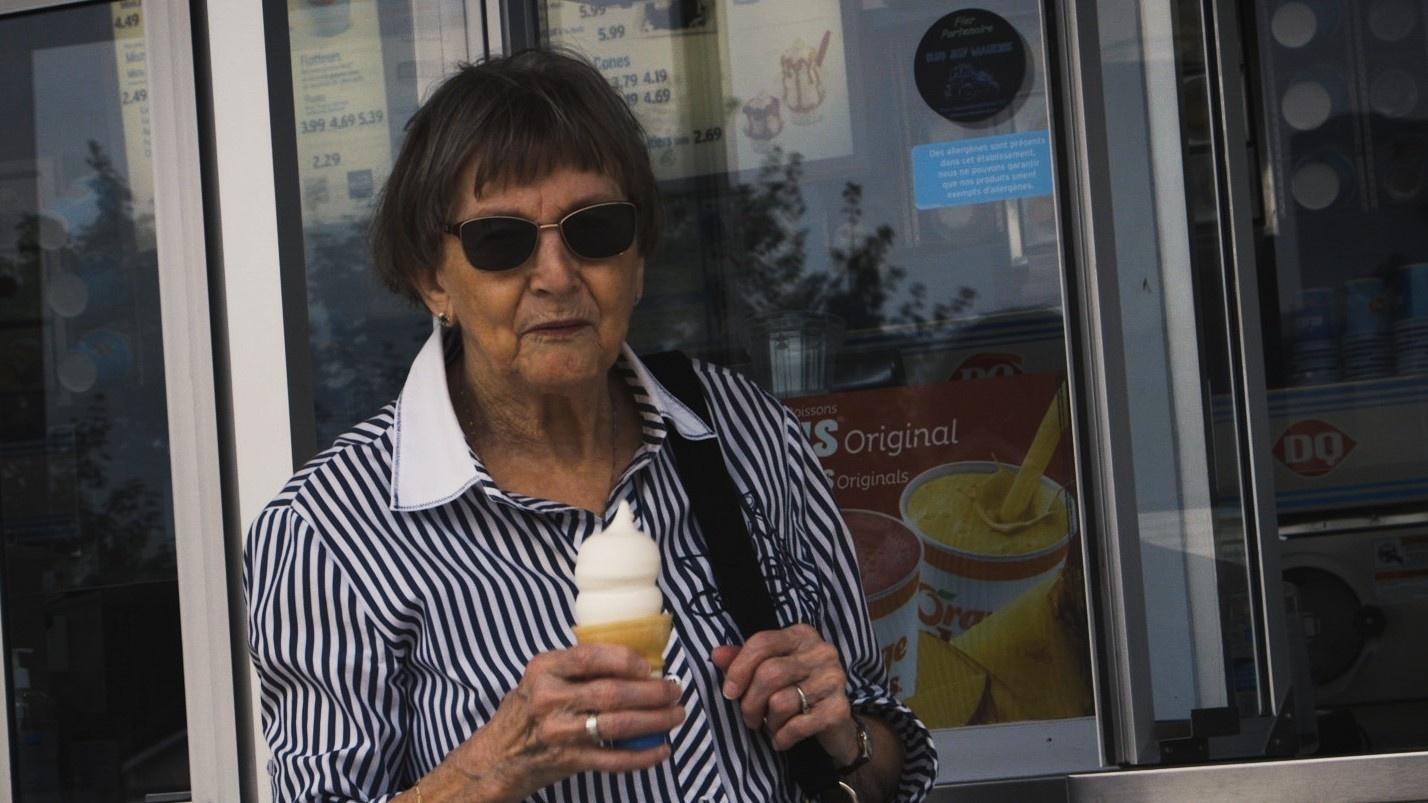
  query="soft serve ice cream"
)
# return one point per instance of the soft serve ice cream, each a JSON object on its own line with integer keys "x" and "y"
{"x": 617, "y": 573}
{"x": 618, "y": 600}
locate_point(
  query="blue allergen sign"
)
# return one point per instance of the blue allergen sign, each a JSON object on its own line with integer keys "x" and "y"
{"x": 982, "y": 170}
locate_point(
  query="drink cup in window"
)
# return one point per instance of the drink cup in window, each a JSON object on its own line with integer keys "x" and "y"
{"x": 1366, "y": 307}
{"x": 971, "y": 569}
{"x": 889, "y": 559}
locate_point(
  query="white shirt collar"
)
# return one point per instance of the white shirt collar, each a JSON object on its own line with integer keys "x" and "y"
{"x": 433, "y": 464}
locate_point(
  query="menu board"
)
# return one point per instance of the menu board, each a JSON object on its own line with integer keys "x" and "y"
{"x": 133, "y": 73}
{"x": 340, "y": 99}
{"x": 980, "y": 612}
{"x": 719, "y": 84}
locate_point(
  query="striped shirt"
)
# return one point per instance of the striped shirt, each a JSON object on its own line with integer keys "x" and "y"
{"x": 396, "y": 593}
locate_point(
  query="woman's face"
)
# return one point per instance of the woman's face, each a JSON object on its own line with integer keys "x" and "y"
{"x": 557, "y": 321}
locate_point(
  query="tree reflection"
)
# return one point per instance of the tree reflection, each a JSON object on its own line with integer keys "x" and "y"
{"x": 860, "y": 282}
{"x": 361, "y": 337}
{"x": 102, "y": 508}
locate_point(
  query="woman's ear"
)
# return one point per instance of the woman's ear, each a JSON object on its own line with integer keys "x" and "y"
{"x": 433, "y": 292}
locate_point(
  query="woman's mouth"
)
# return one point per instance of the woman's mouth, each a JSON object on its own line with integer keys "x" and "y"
{"x": 558, "y": 329}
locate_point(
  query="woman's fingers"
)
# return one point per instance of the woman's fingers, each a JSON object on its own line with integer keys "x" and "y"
{"x": 613, "y": 695}
{"x": 604, "y": 759}
{"x": 758, "y": 648}
{"x": 828, "y": 706}
{"x": 766, "y": 674}
{"x": 821, "y": 685}
{"x": 591, "y": 661}
{"x": 820, "y": 719}
{"x": 771, "y": 677}
{"x": 568, "y": 728}
{"x": 616, "y": 725}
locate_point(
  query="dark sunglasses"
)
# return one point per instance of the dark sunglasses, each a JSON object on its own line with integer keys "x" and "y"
{"x": 499, "y": 242}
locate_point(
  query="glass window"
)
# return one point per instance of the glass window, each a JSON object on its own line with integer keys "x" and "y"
{"x": 1339, "y": 108}
{"x": 358, "y": 70}
{"x": 89, "y": 596}
{"x": 860, "y": 213}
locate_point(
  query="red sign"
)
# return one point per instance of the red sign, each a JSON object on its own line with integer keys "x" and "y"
{"x": 1312, "y": 448}
{"x": 873, "y": 442}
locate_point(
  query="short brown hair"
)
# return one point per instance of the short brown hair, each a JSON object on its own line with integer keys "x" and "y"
{"x": 520, "y": 117}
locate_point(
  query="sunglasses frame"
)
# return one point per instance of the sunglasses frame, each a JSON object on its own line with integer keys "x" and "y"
{"x": 454, "y": 229}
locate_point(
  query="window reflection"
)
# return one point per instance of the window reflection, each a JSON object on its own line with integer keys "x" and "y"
{"x": 90, "y": 599}
{"x": 356, "y": 72}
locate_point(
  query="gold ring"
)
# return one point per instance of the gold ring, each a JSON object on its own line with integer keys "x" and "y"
{"x": 592, "y": 727}
{"x": 803, "y": 706}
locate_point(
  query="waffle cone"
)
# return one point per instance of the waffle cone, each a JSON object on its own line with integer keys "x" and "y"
{"x": 646, "y": 635}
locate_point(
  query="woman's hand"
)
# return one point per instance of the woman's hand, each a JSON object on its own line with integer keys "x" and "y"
{"x": 538, "y": 734}
{"x": 766, "y": 675}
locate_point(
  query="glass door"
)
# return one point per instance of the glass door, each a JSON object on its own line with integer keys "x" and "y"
{"x": 1197, "y": 650}
{"x": 861, "y": 213}
{"x": 90, "y": 553}
{"x": 1340, "y": 118}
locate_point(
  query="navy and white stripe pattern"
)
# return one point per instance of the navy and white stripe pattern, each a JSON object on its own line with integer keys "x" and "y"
{"x": 396, "y": 593}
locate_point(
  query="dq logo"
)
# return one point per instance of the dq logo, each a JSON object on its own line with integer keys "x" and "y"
{"x": 1312, "y": 448}
{"x": 988, "y": 364}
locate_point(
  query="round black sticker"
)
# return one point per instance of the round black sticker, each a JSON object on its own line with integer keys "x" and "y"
{"x": 970, "y": 65}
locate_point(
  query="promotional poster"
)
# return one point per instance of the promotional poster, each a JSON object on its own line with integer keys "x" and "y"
{"x": 960, "y": 498}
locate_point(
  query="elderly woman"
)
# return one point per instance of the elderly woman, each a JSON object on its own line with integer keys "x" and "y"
{"x": 410, "y": 591}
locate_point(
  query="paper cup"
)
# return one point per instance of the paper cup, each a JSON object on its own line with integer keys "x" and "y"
{"x": 890, "y": 559}
{"x": 1366, "y": 307}
{"x": 961, "y": 588}
{"x": 1413, "y": 292}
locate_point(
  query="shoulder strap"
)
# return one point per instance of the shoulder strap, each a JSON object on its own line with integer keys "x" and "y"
{"x": 717, "y": 508}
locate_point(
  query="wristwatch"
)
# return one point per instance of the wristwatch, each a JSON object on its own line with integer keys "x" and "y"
{"x": 843, "y": 792}
{"x": 865, "y": 748}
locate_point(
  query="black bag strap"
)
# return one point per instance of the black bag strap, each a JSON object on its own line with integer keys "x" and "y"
{"x": 717, "y": 508}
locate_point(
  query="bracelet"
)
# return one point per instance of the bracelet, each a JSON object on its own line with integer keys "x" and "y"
{"x": 416, "y": 787}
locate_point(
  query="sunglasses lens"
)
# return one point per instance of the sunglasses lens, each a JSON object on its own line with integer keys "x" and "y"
{"x": 498, "y": 243}
{"x": 600, "y": 232}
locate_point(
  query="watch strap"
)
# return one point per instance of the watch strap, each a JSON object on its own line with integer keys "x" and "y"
{"x": 865, "y": 748}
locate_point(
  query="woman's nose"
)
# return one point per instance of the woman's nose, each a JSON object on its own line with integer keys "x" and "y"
{"x": 554, "y": 269}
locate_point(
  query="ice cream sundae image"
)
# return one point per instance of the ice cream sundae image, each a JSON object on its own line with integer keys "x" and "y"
{"x": 967, "y": 83}
{"x": 803, "y": 89}
{"x": 762, "y": 121}
{"x": 618, "y": 600}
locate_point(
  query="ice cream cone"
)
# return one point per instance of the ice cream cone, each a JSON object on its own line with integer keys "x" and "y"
{"x": 646, "y": 635}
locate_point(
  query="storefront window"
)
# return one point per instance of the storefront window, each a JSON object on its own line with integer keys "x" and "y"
{"x": 1340, "y": 117}
{"x": 860, "y": 214}
{"x": 359, "y": 68}
{"x": 89, "y": 597}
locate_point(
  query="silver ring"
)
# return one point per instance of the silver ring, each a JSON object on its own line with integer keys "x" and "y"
{"x": 592, "y": 727}
{"x": 803, "y": 706}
